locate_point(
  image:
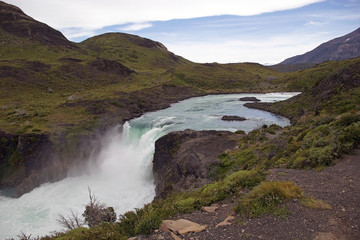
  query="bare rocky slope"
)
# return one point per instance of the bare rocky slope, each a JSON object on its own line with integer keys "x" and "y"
{"x": 345, "y": 47}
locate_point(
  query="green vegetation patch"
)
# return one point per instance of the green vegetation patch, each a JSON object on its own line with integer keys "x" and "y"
{"x": 267, "y": 197}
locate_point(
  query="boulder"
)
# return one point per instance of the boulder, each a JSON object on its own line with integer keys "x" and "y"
{"x": 232, "y": 118}
{"x": 249, "y": 99}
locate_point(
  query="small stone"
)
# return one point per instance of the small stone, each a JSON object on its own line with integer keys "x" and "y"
{"x": 227, "y": 221}
{"x": 295, "y": 200}
{"x": 343, "y": 209}
{"x": 73, "y": 97}
{"x": 332, "y": 222}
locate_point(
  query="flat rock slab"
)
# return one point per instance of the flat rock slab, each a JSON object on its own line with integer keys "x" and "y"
{"x": 182, "y": 226}
{"x": 247, "y": 99}
{"x": 210, "y": 209}
{"x": 226, "y": 222}
{"x": 232, "y": 118}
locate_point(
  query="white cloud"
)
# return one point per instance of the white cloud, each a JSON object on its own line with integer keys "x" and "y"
{"x": 72, "y": 33}
{"x": 136, "y": 27}
{"x": 269, "y": 51}
{"x": 314, "y": 23}
{"x": 97, "y": 14}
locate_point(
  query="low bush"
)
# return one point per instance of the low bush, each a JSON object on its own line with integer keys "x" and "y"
{"x": 266, "y": 197}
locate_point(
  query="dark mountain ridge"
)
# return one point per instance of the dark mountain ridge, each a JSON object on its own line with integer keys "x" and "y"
{"x": 341, "y": 48}
{"x": 14, "y": 21}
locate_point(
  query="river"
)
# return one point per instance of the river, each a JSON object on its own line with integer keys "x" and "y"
{"x": 122, "y": 177}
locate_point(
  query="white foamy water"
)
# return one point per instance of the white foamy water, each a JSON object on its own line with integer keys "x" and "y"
{"x": 123, "y": 178}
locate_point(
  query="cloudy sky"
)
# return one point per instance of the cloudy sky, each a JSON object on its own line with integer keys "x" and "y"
{"x": 206, "y": 30}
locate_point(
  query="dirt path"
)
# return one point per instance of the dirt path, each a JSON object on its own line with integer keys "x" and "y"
{"x": 338, "y": 185}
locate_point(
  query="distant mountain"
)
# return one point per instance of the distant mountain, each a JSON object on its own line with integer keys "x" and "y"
{"x": 340, "y": 48}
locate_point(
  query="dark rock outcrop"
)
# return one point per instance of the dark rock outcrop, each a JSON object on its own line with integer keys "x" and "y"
{"x": 28, "y": 160}
{"x": 182, "y": 160}
{"x": 343, "y": 80}
{"x": 232, "y": 118}
{"x": 111, "y": 66}
{"x": 249, "y": 99}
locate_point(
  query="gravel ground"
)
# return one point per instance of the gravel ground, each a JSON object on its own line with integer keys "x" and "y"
{"x": 338, "y": 186}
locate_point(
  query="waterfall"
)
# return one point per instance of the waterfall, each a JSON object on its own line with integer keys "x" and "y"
{"x": 123, "y": 177}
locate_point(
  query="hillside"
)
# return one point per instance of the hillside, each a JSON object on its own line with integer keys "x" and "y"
{"x": 58, "y": 95}
{"x": 341, "y": 48}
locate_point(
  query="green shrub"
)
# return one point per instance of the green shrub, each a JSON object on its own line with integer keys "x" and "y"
{"x": 142, "y": 221}
{"x": 347, "y": 119}
{"x": 349, "y": 137}
{"x": 266, "y": 197}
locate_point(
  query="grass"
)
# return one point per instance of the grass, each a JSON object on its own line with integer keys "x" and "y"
{"x": 267, "y": 197}
{"x": 315, "y": 203}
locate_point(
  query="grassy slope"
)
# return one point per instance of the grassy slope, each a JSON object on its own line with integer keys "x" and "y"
{"x": 39, "y": 79}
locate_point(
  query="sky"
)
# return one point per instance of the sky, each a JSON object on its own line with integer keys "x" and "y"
{"x": 204, "y": 31}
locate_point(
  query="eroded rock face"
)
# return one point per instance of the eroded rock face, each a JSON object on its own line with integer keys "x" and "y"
{"x": 28, "y": 160}
{"x": 182, "y": 159}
